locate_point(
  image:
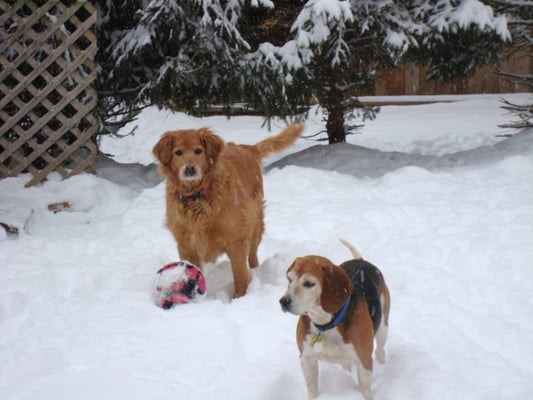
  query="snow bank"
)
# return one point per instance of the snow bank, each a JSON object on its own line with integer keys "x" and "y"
{"x": 455, "y": 245}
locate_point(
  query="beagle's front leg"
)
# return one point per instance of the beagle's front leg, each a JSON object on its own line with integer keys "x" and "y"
{"x": 364, "y": 378}
{"x": 310, "y": 371}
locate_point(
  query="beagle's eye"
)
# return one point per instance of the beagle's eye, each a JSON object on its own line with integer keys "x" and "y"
{"x": 198, "y": 151}
{"x": 178, "y": 152}
{"x": 308, "y": 284}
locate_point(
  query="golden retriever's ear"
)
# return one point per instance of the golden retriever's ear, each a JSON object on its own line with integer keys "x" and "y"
{"x": 163, "y": 149}
{"x": 336, "y": 288}
{"x": 213, "y": 145}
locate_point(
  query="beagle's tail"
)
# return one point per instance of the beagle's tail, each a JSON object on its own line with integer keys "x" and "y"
{"x": 356, "y": 255}
{"x": 281, "y": 141}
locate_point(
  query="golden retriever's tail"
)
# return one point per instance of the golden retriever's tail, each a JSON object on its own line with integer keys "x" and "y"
{"x": 279, "y": 142}
{"x": 356, "y": 255}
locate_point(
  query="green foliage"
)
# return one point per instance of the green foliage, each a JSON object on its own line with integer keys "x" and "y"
{"x": 456, "y": 54}
{"x": 277, "y": 56}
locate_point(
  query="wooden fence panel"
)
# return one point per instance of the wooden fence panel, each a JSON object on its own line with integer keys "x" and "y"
{"x": 411, "y": 80}
{"x": 46, "y": 98}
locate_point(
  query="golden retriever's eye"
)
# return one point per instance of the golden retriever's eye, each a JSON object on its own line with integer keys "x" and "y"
{"x": 308, "y": 284}
{"x": 178, "y": 152}
{"x": 198, "y": 151}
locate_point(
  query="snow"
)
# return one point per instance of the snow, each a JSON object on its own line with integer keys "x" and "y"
{"x": 449, "y": 222}
{"x": 470, "y": 12}
{"x": 319, "y": 18}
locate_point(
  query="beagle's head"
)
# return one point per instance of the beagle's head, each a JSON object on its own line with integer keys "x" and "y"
{"x": 317, "y": 288}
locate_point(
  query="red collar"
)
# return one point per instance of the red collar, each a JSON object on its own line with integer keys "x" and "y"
{"x": 201, "y": 194}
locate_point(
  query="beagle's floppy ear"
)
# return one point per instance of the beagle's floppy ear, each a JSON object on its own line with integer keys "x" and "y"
{"x": 290, "y": 268}
{"x": 163, "y": 148}
{"x": 213, "y": 145}
{"x": 336, "y": 288}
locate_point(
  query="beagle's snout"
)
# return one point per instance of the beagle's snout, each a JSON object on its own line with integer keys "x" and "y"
{"x": 285, "y": 302}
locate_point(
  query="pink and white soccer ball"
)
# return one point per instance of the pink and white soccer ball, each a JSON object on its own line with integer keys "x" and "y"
{"x": 178, "y": 283}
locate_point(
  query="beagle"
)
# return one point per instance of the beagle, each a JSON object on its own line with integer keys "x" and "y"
{"x": 341, "y": 308}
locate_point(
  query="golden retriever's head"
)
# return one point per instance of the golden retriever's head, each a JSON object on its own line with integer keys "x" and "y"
{"x": 317, "y": 288}
{"x": 186, "y": 156}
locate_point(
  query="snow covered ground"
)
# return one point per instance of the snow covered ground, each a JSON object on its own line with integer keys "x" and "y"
{"x": 434, "y": 194}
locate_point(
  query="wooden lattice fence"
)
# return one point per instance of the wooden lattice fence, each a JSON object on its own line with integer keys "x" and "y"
{"x": 46, "y": 98}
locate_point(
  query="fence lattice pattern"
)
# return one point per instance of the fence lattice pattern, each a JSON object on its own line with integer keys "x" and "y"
{"x": 46, "y": 98}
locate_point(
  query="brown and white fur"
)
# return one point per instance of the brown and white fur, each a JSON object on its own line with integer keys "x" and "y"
{"x": 214, "y": 196}
{"x": 317, "y": 291}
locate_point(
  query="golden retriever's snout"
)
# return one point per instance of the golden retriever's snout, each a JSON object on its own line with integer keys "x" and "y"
{"x": 285, "y": 303}
{"x": 190, "y": 171}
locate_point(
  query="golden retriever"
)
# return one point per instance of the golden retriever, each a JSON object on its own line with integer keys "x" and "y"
{"x": 214, "y": 196}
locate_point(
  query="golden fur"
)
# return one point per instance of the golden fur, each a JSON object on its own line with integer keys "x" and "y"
{"x": 214, "y": 196}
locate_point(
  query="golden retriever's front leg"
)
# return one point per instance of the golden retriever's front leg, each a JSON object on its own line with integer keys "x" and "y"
{"x": 187, "y": 253}
{"x": 253, "y": 261}
{"x": 239, "y": 267}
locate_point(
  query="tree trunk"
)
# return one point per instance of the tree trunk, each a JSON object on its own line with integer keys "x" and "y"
{"x": 335, "y": 122}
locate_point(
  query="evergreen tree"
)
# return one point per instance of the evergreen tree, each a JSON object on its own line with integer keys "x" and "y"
{"x": 277, "y": 55}
{"x": 519, "y": 14}
{"x": 183, "y": 55}
{"x": 118, "y": 101}
{"x": 339, "y": 43}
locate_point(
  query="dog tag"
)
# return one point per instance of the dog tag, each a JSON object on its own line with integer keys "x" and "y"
{"x": 317, "y": 343}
